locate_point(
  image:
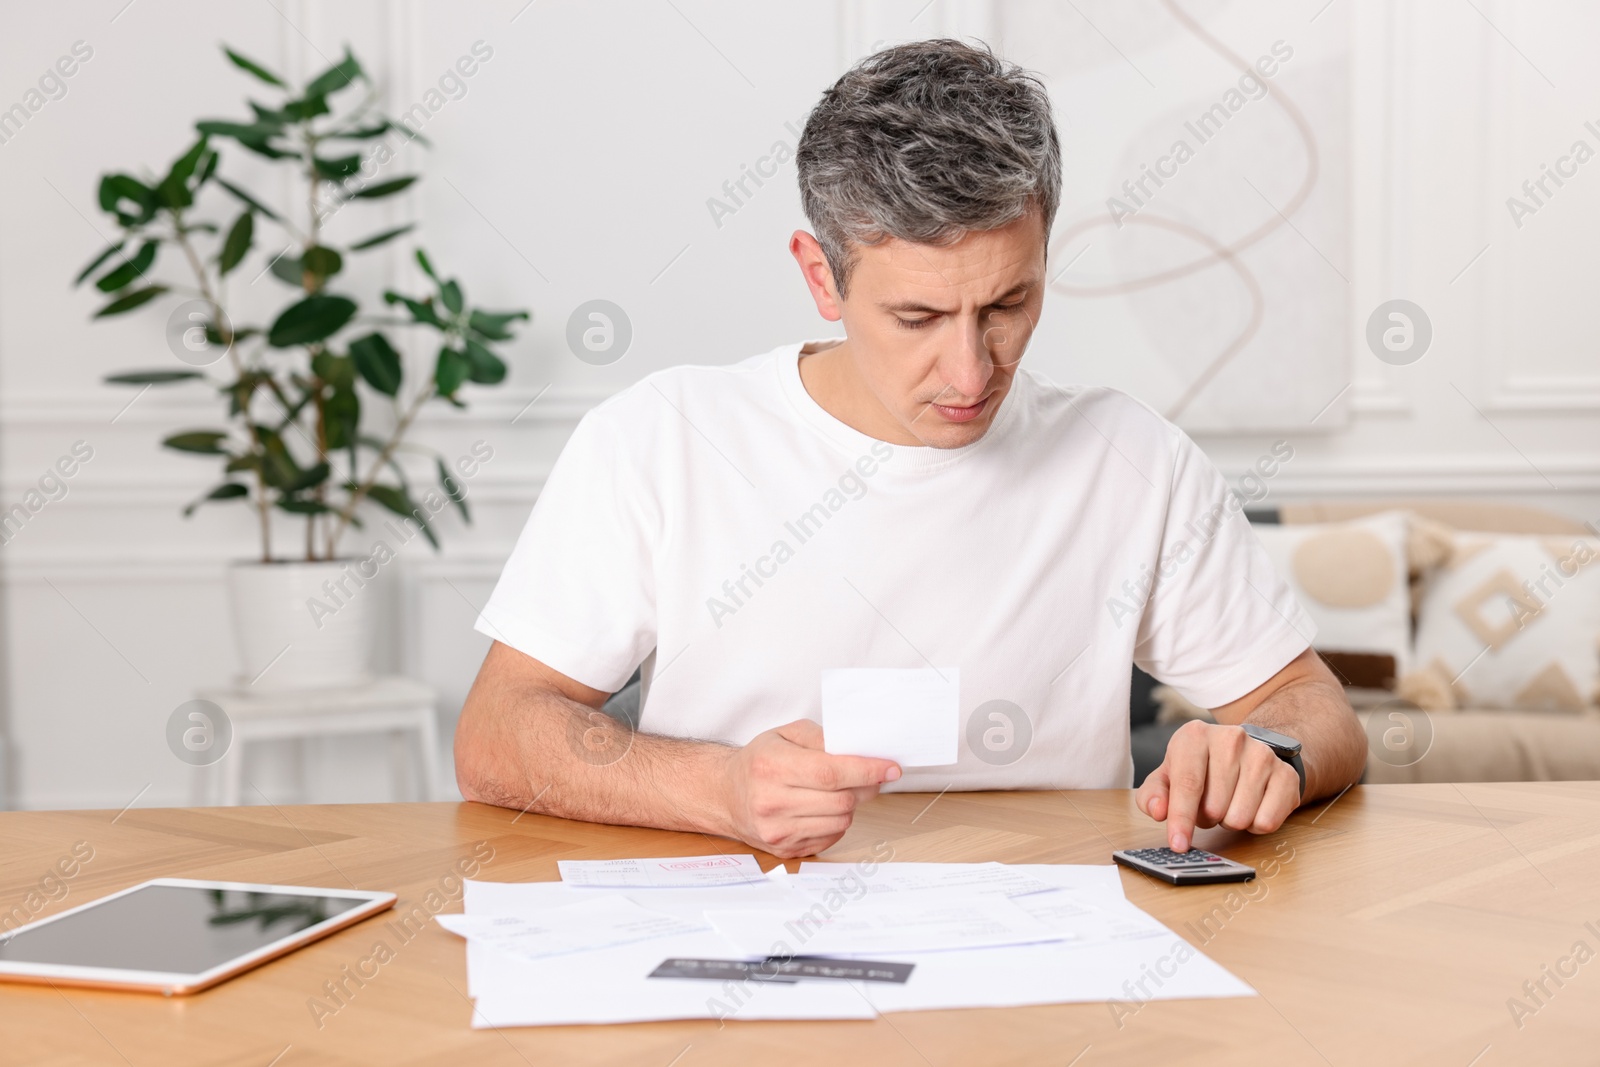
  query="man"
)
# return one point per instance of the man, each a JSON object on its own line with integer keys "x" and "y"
{"x": 905, "y": 497}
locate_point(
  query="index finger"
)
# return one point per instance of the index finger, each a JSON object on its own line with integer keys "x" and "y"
{"x": 1186, "y": 764}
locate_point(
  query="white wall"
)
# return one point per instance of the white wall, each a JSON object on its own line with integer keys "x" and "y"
{"x": 578, "y": 165}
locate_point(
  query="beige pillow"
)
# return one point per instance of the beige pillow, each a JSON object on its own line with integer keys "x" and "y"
{"x": 1351, "y": 579}
{"x": 1510, "y": 621}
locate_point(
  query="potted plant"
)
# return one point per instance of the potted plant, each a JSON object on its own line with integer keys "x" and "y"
{"x": 316, "y": 403}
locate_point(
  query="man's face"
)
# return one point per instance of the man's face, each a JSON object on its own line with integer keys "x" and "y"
{"x": 935, "y": 333}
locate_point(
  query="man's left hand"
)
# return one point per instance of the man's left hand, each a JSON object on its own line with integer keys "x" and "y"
{"x": 1218, "y": 774}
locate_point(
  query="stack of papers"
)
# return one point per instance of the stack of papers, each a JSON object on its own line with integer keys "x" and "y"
{"x": 714, "y": 937}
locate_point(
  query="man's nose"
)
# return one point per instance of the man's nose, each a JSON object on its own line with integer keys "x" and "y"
{"x": 968, "y": 368}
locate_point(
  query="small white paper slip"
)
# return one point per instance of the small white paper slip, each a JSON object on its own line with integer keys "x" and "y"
{"x": 912, "y": 716}
{"x": 669, "y": 872}
{"x": 594, "y": 924}
{"x": 927, "y": 921}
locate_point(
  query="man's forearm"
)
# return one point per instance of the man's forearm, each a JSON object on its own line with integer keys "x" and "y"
{"x": 1333, "y": 746}
{"x": 533, "y": 749}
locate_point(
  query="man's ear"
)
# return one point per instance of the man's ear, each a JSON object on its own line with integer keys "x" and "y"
{"x": 818, "y": 275}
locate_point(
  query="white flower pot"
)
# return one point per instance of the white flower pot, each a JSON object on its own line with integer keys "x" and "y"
{"x": 303, "y": 625}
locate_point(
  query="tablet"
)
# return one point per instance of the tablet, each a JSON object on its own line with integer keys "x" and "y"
{"x": 176, "y": 935}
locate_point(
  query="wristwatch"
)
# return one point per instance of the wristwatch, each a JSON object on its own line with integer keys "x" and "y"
{"x": 1286, "y": 747}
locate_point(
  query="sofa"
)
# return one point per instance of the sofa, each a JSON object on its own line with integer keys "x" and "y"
{"x": 1415, "y": 732}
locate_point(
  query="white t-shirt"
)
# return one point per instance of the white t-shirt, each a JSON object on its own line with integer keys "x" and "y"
{"x": 718, "y": 526}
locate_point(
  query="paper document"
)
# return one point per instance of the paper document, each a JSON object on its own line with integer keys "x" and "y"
{"x": 599, "y": 923}
{"x": 885, "y": 878}
{"x": 1092, "y": 945}
{"x": 670, "y": 872}
{"x": 922, "y": 922}
{"x": 1094, "y": 879}
{"x": 912, "y": 716}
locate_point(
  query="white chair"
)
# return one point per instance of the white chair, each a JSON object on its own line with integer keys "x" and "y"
{"x": 401, "y": 707}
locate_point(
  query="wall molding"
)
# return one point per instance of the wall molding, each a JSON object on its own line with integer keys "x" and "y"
{"x": 1552, "y": 393}
{"x": 168, "y": 568}
{"x": 178, "y": 490}
{"x": 552, "y": 405}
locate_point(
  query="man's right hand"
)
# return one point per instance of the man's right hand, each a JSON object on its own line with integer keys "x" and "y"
{"x": 785, "y": 795}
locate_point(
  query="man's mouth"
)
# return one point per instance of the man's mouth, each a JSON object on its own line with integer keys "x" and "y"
{"x": 961, "y": 414}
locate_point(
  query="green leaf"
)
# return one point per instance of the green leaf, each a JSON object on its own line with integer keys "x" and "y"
{"x": 302, "y": 507}
{"x": 241, "y": 390}
{"x": 256, "y": 136}
{"x": 378, "y": 363}
{"x": 494, "y": 325}
{"x": 183, "y": 167}
{"x": 308, "y": 107}
{"x": 237, "y": 243}
{"x": 225, "y": 491}
{"x": 130, "y": 271}
{"x": 487, "y": 368}
{"x": 152, "y": 377}
{"x": 399, "y": 502}
{"x": 254, "y": 68}
{"x": 289, "y": 269}
{"x": 310, "y": 477}
{"x": 421, "y": 310}
{"x": 115, "y": 189}
{"x": 450, "y": 295}
{"x": 207, "y": 442}
{"x": 267, "y": 116}
{"x": 268, "y": 151}
{"x": 454, "y": 490}
{"x": 207, "y": 167}
{"x": 321, "y": 261}
{"x": 311, "y": 320}
{"x": 173, "y": 191}
{"x": 335, "y": 77}
{"x": 388, "y": 188}
{"x": 130, "y": 301}
{"x": 248, "y": 200}
{"x": 278, "y": 468}
{"x": 426, "y": 264}
{"x": 337, "y": 371}
{"x": 341, "y": 417}
{"x": 261, "y": 130}
{"x": 378, "y": 239}
{"x": 336, "y": 169}
{"x": 95, "y": 265}
{"x": 452, "y": 369}
{"x": 364, "y": 133}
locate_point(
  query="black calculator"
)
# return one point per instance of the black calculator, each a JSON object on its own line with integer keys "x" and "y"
{"x": 1195, "y": 867}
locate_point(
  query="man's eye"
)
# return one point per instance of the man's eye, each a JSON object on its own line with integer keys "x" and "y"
{"x": 1007, "y": 307}
{"x": 912, "y": 324}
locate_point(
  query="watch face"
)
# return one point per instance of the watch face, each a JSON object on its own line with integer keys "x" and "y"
{"x": 1279, "y": 741}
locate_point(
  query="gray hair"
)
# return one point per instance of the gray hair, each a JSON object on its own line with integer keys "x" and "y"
{"x": 925, "y": 142}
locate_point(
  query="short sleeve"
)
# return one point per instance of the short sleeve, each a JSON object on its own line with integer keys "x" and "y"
{"x": 578, "y": 593}
{"x": 1220, "y": 619}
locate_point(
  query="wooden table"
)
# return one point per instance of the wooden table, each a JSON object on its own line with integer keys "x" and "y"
{"x": 1398, "y": 928}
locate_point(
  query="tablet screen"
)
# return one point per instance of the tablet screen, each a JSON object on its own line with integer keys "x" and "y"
{"x": 176, "y": 929}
